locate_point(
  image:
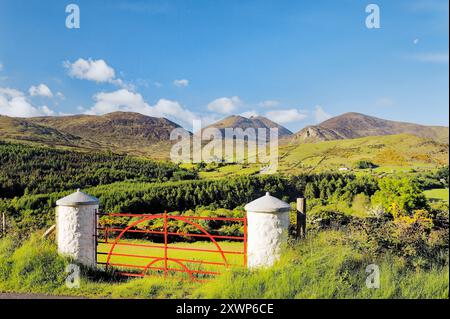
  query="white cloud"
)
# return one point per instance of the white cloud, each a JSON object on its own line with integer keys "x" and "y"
{"x": 1, "y": 66}
{"x": 225, "y": 105}
{"x": 181, "y": 83}
{"x": 416, "y": 41}
{"x": 11, "y": 92}
{"x": 40, "y": 90}
{"x": 441, "y": 58}
{"x": 286, "y": 116}
{"x": 269, "y": 103}
{"x": 320, "y": 114}
{"x": 92, "y": 70}
{"x": 14, "y": 103}
{"x": 249, "y": 114}
{"x": 127, "y": 101}
{"x": 47, "y": 111}
{"x": 60, "y": 95}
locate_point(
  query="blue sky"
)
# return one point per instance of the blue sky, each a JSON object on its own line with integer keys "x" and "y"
{"x": 296, "y": 62}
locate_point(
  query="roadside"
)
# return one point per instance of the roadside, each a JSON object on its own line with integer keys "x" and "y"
{"x": 34, "y": 296}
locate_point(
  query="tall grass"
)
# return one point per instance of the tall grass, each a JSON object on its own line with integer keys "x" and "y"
{"x": 325, "y": 268}
{"x": 35, "y": 265}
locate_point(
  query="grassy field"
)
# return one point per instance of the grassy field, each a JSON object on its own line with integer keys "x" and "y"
{"x": 438, "y": 194}
{"x": 391, "y": 153}
{"x": 174, "y": 252}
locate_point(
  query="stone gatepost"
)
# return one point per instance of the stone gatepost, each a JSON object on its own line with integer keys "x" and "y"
{"x": 267, "y": 230}
{"x": 76, "y": 227}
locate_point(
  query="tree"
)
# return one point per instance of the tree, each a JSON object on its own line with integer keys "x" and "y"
{"x": 399, "y": 196}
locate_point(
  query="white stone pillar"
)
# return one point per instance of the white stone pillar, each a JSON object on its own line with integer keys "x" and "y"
{"x": 76, "y": 227}
{"x": 267, "y": 230}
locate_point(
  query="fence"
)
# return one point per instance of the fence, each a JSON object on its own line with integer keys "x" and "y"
{"x": 136, "y": 258}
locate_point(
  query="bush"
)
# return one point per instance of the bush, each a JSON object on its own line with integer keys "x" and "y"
{"x": 327, "y": 217}
{"x": 363, "y": 164}
{"x": 399, "y": 196}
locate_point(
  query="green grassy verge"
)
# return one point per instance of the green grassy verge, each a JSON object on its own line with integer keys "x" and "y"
{"x": 323, "y": 266}
{"x": 437, "y": 194}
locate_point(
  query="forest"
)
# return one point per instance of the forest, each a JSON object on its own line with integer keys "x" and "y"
{"x": 38, "y": 170}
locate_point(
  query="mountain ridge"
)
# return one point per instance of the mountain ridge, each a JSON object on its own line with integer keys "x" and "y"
{"x": 354, "y": 125}
{"x": 238, "y": 121}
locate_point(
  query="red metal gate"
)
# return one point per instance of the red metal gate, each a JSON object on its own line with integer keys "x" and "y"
{"x": 113, "y": 239}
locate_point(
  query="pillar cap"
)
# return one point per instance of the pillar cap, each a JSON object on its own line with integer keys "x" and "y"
{"x": 78, "y": 198}
{"x": 267, "y": 204}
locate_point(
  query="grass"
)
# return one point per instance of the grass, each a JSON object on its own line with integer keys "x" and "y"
{"x": 323, "y": 266}
{"x": 391, "y": 153}
{"x": 437, "y": 194}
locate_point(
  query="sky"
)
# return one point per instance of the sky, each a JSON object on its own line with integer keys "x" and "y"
{"x": 295, "y": 62}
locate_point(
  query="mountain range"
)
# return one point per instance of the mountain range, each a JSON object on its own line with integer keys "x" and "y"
{"x": 137, "y": 134}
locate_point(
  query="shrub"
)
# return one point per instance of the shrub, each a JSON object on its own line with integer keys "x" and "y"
{"x": 363, "y": 164}
{"x": 327, "y": 217}
{"x": 399, "y": 196}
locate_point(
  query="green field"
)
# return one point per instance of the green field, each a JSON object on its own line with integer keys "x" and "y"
{"x": 391, "y": 154}
{"x": 234, "y": 260}
{"x": 437, "y": 194}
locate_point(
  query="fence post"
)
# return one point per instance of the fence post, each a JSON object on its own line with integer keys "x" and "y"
{"x": 3, "y": 224}
{"x": 301, "y": 217}
{"x": 165, "y": 243}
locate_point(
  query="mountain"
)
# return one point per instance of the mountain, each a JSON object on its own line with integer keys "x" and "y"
{"x": 355, "y": 125}
{"x": 237, "y": 121}
{"x": 112, "y": 128}
{"x": 121, "y": 132}
{"x": 20, "y": 129}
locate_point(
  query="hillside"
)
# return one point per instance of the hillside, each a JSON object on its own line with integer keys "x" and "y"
{"x": 121, "y": 132}
{"x": 26, "y": 169}
{"x": 391, "y": 152}
{"x": 24, "y": 130}
{"x": 237, "y": 121}
{"x": 355, "y": 125}
{"x": 112, "y": 128}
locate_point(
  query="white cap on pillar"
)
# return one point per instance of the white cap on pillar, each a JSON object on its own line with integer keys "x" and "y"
{"x": 76, "y": 199}
{"x": 267, "y": 204}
